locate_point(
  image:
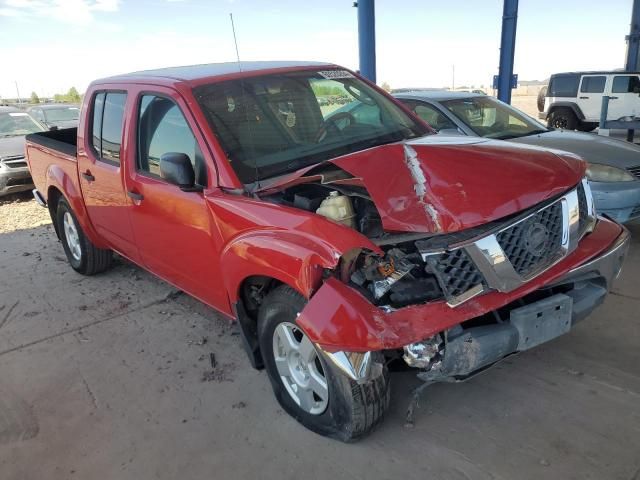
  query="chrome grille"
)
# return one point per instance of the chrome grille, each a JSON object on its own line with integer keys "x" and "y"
{"x": 534, "y": 243}
{"x": 635, "y": 171}
{"x": 516, "y": 252}
{"x": 455, "y": 271}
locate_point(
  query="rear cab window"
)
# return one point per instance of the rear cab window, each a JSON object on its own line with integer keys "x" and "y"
{"x": 564, "y": 85}
{"x": 107, "y": 125}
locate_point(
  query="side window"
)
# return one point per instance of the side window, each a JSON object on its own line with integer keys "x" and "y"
{"x": 106, "y": 125}
{"x": 112, "y": 120}
{"x": 593, "y": 84}
{"x": 626, "y": 84}
{"x": 162, "y": 129}
{"x": 98, "y": 104}
{"x": 433, "y": 117}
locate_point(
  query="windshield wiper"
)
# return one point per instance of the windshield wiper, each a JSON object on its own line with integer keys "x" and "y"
{"x": 520, "y": 135}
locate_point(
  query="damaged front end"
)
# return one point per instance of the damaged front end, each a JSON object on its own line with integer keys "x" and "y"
{"x": 449, "y": 299}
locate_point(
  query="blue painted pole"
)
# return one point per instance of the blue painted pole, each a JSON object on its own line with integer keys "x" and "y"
{"x": 633, "y": 40}
{"x": 507, "y": 49}
{"x": 367, "y": 38}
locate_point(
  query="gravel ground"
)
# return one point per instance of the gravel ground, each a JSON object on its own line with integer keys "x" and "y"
{"x": 20, "y": 211}
{"x": 111, "y": 377}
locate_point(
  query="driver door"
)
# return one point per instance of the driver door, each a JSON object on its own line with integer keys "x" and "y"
{"x": 175, "y": 230}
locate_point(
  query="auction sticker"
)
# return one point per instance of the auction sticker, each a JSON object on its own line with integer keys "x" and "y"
{"x": 331, "y": 74}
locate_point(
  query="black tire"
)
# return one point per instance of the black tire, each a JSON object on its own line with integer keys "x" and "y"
{"x": 352, "y": 410}
{"x": 91, "y": 259}
{"x": 541, "y": 96}
{"x": 563, "y": 118}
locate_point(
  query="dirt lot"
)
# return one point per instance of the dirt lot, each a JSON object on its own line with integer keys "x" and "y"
{"x": 110, "y": 377}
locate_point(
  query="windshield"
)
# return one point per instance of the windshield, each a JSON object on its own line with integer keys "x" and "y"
{"x": 273, "y": 124}
{"x": 491, "y": 118}
{"x": 13, "y": 124}
{"x": 62, "y": 114}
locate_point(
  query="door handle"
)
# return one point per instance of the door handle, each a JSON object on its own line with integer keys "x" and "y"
{"x": 584, "y": 98}
{"x": 88, "y": 177}
{"x": 135, "y": 196}
{"x": 613, "y": 98}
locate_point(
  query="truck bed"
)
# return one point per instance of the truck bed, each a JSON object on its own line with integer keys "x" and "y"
{"x": 63, "y": 140}
{"x": 52, "y": 157}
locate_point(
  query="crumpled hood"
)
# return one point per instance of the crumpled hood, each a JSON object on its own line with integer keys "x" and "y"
{"x": 11, "y": 146}
{"x": 593, "y": 148}
{"x": 442, "y": 184}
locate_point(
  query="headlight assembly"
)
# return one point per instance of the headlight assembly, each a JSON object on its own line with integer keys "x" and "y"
{"x": 597, "y": 172}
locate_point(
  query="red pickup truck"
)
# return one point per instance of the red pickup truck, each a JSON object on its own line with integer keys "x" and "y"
{"x": 341, "y": 243}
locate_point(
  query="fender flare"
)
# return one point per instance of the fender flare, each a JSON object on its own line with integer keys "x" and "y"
{"x": 293, "y": 258}
{"x": 58, "y": 179}
{"x": 573, "y": 106}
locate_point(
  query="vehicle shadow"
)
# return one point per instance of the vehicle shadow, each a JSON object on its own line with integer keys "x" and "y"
{"x": 20, "y": 197}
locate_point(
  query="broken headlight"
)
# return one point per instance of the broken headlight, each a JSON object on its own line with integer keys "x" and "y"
{"x": 397, "y": 279}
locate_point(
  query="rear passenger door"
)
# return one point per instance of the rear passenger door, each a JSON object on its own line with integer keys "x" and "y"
{"x": 100, "y": 170}
{"x": 174, "y": 230}
{"x": 590, "y": 96}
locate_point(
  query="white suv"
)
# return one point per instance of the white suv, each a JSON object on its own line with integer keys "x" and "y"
{"x": 574, "y": 100}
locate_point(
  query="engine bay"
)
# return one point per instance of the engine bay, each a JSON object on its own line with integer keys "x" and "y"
{"x": 402, "y": 276}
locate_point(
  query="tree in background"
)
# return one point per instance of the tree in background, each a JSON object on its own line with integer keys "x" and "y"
{"x": 34, "y": 98}
{"x": 72, "y": 96}
{"x": 386, "y": 87}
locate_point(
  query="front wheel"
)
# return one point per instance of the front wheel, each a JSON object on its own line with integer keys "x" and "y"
{"x": 309, "y": 388}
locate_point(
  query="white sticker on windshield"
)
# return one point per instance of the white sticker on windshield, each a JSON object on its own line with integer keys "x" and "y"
{"x": 18, "y": 114}
{"x": 73, "y": 108}
{"x": 331, "y": 74}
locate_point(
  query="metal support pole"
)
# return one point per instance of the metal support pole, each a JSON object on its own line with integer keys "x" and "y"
{"x": 507, "y": 49}
{"x": 367, "y": 38}
{"x": 633, "y": 40}
{"x": 604, "y": 111}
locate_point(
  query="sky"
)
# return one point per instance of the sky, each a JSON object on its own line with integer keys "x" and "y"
{"x": 48, "y": 46}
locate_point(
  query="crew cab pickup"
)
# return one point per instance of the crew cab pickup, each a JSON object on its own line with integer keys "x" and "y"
{"x": 339, "y": 242}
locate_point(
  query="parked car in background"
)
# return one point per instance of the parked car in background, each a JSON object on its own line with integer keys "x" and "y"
{"x": 573, "y": 100}
{"x": 614, "y": 165}
{"x": 339, "y": 243}
{"x": 14, "y": 125}
{"x": 57, "y": 115}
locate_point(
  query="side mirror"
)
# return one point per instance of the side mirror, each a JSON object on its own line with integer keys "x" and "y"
{"x": 53, "y": 128}
{"x": 176, "y": 169}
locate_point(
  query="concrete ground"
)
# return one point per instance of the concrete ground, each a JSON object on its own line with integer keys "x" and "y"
{"x": 109, "y": 377}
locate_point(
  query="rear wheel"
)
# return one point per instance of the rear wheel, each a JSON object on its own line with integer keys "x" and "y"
{"x": 83, "y": 256}
{"x": 563, "y": 118}
{"x": 309, "y": 388}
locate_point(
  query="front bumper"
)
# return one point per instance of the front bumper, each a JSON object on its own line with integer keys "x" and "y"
{"x": 339, "y": 318}
{"x": 618, "y": 200}
{"x": 461, "y": 351}
{"x": 14, "y": 179}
